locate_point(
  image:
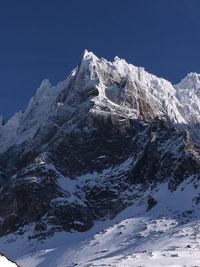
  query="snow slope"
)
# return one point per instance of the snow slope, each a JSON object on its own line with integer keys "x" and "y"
{"x": 4, "y": 262}
{"x": 167, "y": 235}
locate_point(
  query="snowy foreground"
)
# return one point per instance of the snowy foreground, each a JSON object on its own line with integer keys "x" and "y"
{"x": 167, "y": 235}
{"x": 4, "y": 262}
{"x": 132, "y": 242}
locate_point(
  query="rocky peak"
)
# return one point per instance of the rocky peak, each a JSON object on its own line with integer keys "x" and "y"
{"x": 105, "y": 88}
{"x": 86, "y": 55}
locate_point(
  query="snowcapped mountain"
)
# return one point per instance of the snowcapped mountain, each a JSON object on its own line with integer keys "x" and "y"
{"x": 116, "y": 87}
{"x": 109, "y": 147}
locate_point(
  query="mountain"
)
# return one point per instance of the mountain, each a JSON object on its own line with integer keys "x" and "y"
{"x": 109, "y": 139}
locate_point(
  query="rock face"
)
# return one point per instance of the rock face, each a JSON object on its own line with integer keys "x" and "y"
{"x": 92, "y": 145}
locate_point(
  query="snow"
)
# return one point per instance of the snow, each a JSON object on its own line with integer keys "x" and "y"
{"x": 167, "y": 235}
{"x": 140, "y": 241}
{"x": 4, "y": 262}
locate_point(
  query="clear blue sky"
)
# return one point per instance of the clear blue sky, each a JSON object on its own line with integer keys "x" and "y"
{"x": 44, "y": 39}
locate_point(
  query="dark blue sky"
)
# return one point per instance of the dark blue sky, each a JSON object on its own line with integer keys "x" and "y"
{"x": 44, "y": 39}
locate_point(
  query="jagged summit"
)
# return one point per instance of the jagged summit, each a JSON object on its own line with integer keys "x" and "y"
{"x": 190, "y": 82}
{"x": 88, "y": 55}
{"x": 104, "y": 87}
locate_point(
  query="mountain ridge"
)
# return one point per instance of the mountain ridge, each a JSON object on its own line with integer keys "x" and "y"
{"x": 89, "y": 56}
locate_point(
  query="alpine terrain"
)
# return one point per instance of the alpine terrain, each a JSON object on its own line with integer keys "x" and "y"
{"x": 103, "y": 169}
